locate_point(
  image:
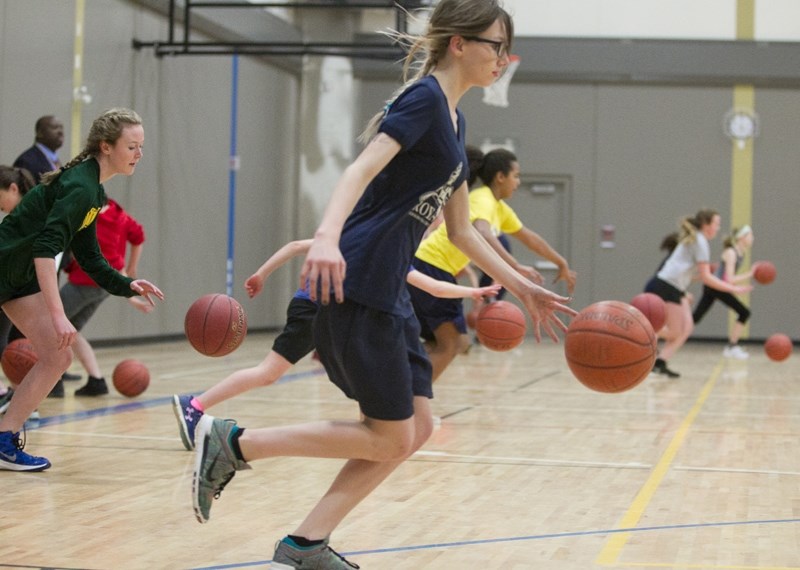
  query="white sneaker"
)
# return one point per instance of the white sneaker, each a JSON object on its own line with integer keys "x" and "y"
{"x": 736, "y": 352}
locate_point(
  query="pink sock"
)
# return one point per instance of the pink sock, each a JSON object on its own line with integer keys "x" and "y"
{"x": 197, "y": 405}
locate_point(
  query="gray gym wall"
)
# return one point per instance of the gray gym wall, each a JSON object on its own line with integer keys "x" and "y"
{"x": 180, "y": 189}
{"x": 640, "y": 158}
{"x": 637, "y": 155}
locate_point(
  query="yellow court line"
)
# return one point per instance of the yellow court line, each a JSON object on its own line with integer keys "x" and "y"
{"x": 610, "y": 553}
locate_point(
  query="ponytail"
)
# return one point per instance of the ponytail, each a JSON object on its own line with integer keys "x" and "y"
{"x": 475, "y": 158}
{"x": 670, "y": 242}
{"x": 13, "y": 175}
{"x": 691, "y": 224}
{"x": 49, "y": 177}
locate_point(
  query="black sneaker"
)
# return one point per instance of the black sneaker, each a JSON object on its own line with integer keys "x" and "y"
{"x": 660, "y": 368}
{"x": 94, "y": 387}
{"x": 57, "y": 391}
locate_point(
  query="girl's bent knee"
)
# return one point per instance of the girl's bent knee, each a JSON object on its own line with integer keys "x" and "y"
{"x": 397, "y": 449}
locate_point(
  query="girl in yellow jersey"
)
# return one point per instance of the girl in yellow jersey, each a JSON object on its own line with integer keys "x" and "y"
{"x": 442, "y": 320}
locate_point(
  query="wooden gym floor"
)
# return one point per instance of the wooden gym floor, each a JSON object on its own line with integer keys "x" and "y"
{"x": 528, "y": 470}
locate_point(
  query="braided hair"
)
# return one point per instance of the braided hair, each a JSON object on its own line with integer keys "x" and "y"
{"x": 108, "y": 128}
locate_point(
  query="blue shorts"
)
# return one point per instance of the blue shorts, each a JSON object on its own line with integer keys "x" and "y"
{"x": 297, "y": 338}
{"x": 435, "y": 311}
{"x": 374, "y": 357}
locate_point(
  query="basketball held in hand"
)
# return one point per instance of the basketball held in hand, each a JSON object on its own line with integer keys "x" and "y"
{"x": 610, "y": 346}
{"x": 215, "y": 324}
{"x": 17, "y": 360}
{"x": 500, "y": 326}
{"x": 131, "y": 377}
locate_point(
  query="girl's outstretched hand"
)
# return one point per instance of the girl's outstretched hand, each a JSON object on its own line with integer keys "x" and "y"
{"x": 145, "y": 289}
{"x": 568, "y": 276}
{"x": 543, "y": 306}
{"x": 253, "y": 285}
{"x": 479, "y": 293}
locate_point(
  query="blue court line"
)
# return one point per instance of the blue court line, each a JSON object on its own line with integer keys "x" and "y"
{"x": 441, "y": 545}
{"x": 32, "y": 425}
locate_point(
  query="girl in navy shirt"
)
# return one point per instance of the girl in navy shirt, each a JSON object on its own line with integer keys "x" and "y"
{"x": 413, "y": 167}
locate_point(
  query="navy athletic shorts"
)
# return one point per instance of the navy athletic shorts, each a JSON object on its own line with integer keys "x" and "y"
{"x": 374, "y": 357}
{"x": 666, "y": 291}
{"x": 435, "y": 311}
{"x": 297, "y": 338}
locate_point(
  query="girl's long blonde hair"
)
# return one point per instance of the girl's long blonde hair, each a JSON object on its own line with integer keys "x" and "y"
{"x": 449, "y": 18}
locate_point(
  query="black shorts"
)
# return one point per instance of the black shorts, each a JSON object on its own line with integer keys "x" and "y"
{"x": 297, "y": 338}
{"x": 374, "y": 357}
{"x": 666, "y": 291}
{"x": 435, "y": 311}
{"x": 29, "y": 289}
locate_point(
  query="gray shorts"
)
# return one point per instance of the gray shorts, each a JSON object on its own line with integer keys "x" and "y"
{"x": 80, "y": 302}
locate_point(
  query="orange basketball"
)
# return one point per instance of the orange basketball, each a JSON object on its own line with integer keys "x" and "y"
{"x": 500, "y": 326}
{"x": 765, "y": 272}
{"x": 215, "y": 324}
{"x": 778, "y": 347}
{"x": 610, "y": 346}
{"x": 18, "y": 358}
{"x": 652, "y": 306}
{"x": 131, "y": 377}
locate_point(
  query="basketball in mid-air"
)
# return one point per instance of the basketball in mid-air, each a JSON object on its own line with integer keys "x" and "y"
{"x": 653, "y": 307}
{"x": 765, "y": 272}
{"x": 215, "y": 324}
{"x": 17, "y": 360}
{"x": 610, "y": 346}
{"x": 778, "y": 347}
{"x": 500, "y": 326}
{"x": 131, "y": 377}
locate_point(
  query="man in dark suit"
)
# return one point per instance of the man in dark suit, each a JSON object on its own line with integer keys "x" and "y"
{"x": 43, "y": 155}
{"x": 40, "y": 158}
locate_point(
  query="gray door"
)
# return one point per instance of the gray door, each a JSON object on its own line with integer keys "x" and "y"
{"x": 542, "y": 202}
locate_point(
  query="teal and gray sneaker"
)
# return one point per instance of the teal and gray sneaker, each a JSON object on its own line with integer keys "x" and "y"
{"x": 215, "y": 463}
{"x": 289, "y": 556}
{"x": 12, "y": 458}
{"x": 187, "y": 416}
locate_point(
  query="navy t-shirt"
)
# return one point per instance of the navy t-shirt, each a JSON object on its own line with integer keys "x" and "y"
{"x": 383, "y": 231}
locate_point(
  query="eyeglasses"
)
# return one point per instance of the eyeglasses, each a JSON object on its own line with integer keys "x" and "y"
{"x": 500, "y": 48}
